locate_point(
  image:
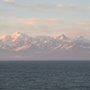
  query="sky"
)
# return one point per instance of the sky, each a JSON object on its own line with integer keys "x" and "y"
{"x": 45, "y": 17}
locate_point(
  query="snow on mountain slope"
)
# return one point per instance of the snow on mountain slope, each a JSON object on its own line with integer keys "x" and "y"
{"x": 63, "y": 38}
{"x": 20, "y": 42}
{"x": 17, "y": 36}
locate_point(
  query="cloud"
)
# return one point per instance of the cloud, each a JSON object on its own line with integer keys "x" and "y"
{"x": 34, "y": 7}
{"x": 71, "y": 7}
{"x": 46, "y": 7}
{"x": 4, "y": 11}
{"x": 36, "y": 21}
{"x": 1, "y": 11}
{"x": 51, "y": 7}
{"x": 9, "y": 1}
{"x": 27, "y": 21}
{"x": 84, "y": 25}
{"x": 48, "y": 25}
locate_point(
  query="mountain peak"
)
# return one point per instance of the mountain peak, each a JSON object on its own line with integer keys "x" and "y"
{"x": 82, "y": 39}
{"x": 62, "y": 37}
{"x": 16, "y": 33}
{"x": 18, "y": 36}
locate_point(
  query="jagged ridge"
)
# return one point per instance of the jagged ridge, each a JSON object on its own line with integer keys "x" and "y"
{"x": 20, "y": 42}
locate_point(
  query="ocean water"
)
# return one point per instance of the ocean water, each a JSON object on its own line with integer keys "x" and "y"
{"x": 45, "y": 75}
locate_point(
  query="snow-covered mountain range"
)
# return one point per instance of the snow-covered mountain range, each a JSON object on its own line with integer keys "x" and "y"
{"x": 23, "y": 46}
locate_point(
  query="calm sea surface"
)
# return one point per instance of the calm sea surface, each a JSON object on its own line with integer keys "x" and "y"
{"x": 49, "y": 75}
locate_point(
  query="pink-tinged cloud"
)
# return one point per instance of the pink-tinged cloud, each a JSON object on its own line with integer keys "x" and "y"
{"x": 27, "y": 21}
{"x": 83, "y": 24}
{"x": 36, "y": 21}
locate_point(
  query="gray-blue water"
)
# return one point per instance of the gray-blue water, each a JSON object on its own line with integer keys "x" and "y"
{"x": 49, "y": 75}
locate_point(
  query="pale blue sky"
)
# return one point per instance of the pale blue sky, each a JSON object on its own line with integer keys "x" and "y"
{"x": 40, "y": 17}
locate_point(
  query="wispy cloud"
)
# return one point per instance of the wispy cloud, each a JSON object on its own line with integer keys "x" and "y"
{"x": 84, "y": 25}
{"x": 4, "y": 11}
{"x": 52, "y": 7}
{"x": 9, "y": 1}
{"x": 34, "y": 21}
{"x": 49, "y": 25}
{"x": 46, "y": 7}
{"x": 47, "y": 22}
{"x": 72, "y": 7}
